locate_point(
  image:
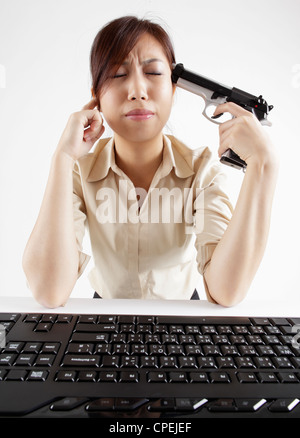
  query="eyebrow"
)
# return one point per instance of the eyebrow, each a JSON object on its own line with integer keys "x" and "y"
{"x": 147, "y": 61}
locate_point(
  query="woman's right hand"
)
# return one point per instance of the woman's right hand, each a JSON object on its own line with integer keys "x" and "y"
{"x": 82, "y": 130}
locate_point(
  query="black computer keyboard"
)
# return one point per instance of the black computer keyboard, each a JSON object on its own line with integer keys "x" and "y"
{"x": 63, "y": 365}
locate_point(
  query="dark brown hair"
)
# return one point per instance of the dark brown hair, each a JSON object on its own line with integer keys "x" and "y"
{"x": 115, "y": 40}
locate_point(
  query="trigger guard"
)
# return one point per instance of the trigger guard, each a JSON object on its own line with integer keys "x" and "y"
{"x": 209, "y": 118}
{"x": 213, "y": 120}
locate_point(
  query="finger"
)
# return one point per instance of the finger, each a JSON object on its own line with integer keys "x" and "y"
{"x": 226, "y": 126}
{"x": 231, "y": 108}
{"x": 93, "y": 136}
{"x": 91, "y": 104}
{"x": 91, "y": 117}
{"x": 225, "y": 143}
{"x": 94, "y": 126}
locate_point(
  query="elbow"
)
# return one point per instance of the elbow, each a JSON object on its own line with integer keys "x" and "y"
{"x": 46, "y": 293}
{"x": 49, "y": 290}
{"x": 230, "y": 300}
{"x": 227, "y": 297}
{"x": 50, "y": 299}
{"x": 225, "y": 294}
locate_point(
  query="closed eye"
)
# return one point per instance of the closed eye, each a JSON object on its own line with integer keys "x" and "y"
{"x": 121, "y": 75}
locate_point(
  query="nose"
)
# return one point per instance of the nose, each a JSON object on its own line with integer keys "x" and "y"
{"x": 137, "y": 89}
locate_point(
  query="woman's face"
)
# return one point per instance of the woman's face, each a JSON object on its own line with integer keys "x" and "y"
{"x": 137, "y": 101}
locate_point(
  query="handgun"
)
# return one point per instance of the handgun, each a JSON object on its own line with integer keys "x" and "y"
{"x": 215, "y": 94}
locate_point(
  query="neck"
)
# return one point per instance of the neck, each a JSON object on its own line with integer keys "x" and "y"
{"x": 139, "y": 160}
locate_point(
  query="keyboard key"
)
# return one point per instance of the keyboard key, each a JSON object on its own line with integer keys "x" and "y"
{"x": 45, "y": 359}
{"x": 108, "y": 376}
{"x": 68, "y": 403}
{"x": 178, "y": 377}
{"x": 249, "y": 405}
{"x": 223, "y": 405}
{"x": 157, "y": 377}
{"x": 80, "y": 348}
{"x": 129, "y": 404}
{"x": 37, "y": 375}
{"x": 129, "y": 376}
{"x": 267, "y": 378}
{"x": 282, "y": 362}
{"x": 48, "y": 317}
{"x": 163, "y": 404}
{"x": 225, "y": 362}
{"x": 64, "y": 319}
{"x": 187, "y": 362}
{"x": 86, "y": 319}
{"x": 288, "y": 378}
{"x": 246, "y": 377}
{"x": 25, "y": 360}
{"x": 32, "y": 347}
{"x": 19, "y": 375}
{"x": 129, "y": 361}
{"x": 206, "y": 362}
{"x": 199, "y": 377}
{"x": 81, "y": 360}
{"x": 50, "y": 347}
{"x": 284, "y": 405}
{"x": 189, "y": 404}
{"x": 108, "y": 361}
{"x": 279, "y": 321}
{"x": 66, "y": 376}
{"x": 43, "y": 327}
{"x": 87, "y": 376}
{"x": 244, "y": 362}
{"x": 217, "y": 377}
{"x": 9, "y": 317}
{"x": 101, "y": 404}
{"x": 168, "y": 362}
{"x": 7, "y": 359}
{"x": 33, "y": 317}
{"x": 149, "y": 362}
{"x": 14, "y": 347}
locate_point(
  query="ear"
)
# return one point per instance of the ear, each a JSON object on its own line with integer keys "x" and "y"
{"x": 94, "y": 96}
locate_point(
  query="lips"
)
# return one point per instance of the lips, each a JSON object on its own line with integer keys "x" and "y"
{"x": 139, "y": 114}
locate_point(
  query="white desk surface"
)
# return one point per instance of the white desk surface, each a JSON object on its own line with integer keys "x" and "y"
{"x": 288, "y": 308}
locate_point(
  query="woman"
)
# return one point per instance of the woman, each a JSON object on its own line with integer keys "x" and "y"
{"x": 127, "y": 190}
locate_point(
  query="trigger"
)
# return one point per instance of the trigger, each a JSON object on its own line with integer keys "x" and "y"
{"x": 217, "y": 116}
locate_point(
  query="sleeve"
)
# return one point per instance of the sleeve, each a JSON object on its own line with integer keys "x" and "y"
{"x": 212, "y": 213}
{"x": 79, "y": 212}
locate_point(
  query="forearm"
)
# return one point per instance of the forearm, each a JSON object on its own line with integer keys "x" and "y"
{"x": 50, "y": 259}
{"x": 240, "y": 251}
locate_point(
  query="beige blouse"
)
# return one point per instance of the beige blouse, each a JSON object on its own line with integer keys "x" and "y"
{"x": 149, "y": 245}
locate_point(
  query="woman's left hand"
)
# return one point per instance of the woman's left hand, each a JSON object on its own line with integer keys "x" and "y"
{"x": 244, "y": 135}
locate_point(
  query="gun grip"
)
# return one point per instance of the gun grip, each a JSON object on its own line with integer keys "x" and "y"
{"x": 230, "y": 158}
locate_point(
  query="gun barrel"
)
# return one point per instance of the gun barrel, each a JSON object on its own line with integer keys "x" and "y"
{"x": 252, "y": 103}
{"x": 180, "y": 72}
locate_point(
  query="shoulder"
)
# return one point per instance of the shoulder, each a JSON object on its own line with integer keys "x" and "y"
{"x": 201, "y": 160}
{"x": 85, "y": 164}
{"x": 189, "y": 153}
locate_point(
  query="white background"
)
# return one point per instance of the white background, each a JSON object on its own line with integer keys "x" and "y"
{"x": 44, "y": 69}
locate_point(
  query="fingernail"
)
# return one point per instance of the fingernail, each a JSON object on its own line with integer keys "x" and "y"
{"x": 217, "y": 116}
